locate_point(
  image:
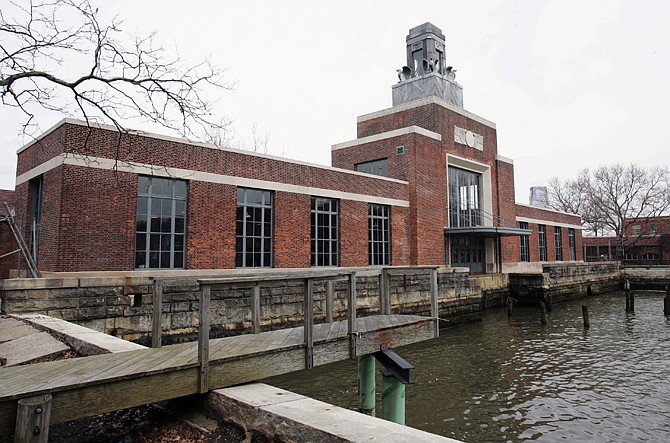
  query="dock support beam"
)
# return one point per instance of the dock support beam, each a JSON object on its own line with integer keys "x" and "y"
{"x": 157, "y": 320}
{"x": 434, "y": 305}
{"x": 393, "y": 399}
{"x": 329, "y": 301}
{"x": 351, "y": 317}
{"x": 203, "y": 338}
{"x": 366, "y": 384}
{"x": 32, "y": 419}
{"x": 309, "y": 323}
{"x": 256, "y": 309}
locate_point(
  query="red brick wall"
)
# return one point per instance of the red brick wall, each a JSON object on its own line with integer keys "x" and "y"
{"x": 550, "y": 218}
{"x": 89, "y": 214}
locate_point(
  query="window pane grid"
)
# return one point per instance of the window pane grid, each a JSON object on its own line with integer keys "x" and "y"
{"x": 324, "y": 232}
{"x": 253, "y": 228}
{"x": 379, "y": 244}
{"x": 464, "y": 198}
{"x": 524, "y": 247}
{"x": 160, "y": 223}
{"x": 571, "y": 244}
{"x": 558, "y": 243}
{"x": 542, "y": 242}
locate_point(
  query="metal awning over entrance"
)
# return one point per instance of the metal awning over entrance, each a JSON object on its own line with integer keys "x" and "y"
{"x": 486, "y": 231}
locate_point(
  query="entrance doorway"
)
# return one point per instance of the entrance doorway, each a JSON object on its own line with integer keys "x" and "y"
{"x": 467, "y": 252}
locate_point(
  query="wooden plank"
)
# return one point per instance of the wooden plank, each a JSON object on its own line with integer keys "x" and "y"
{"x": 156, "y": 320}
{"x": 256, "y": 309}
{"x": 329, "y": 301}
{"x": 308, "y": 329}
{"x": 203, "y": 337}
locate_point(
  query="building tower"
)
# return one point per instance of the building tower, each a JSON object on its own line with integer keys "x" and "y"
{"x": 426, "y": 73}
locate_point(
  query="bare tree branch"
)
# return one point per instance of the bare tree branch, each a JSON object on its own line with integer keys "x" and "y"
{"x": 43, "y": 42}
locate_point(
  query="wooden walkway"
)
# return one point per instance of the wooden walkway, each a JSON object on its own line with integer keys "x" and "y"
{"x": 93, "y": 385}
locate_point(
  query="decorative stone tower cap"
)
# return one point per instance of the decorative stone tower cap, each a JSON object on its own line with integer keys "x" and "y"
{"x": 419, "y": 32}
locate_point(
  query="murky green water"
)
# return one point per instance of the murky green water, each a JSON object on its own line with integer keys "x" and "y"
{"x": 515, "y": 380}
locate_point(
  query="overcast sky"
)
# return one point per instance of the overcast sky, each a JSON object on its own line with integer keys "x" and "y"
{"x": 568, "y": 83}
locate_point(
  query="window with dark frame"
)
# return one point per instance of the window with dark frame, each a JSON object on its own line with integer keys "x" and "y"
{"x": 160, "y": 223}
{"x": 375, "y": 167}
{"x": 464, "y": 198}
{"x": 379, "y": 235}
{"x": 324, "y": 232}
{"x": 558, "y": 243}
{"x": 542, "y": 242}
{"x": 524, "y": 250}
{"x": 571, "y": 244}
{"x": 35, "y": 216}
{"x": 253, "y": 228}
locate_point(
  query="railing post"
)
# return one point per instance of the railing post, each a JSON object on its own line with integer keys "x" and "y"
{"x": 434, "y": 305}
{"x": 351, "y": 317}
{"x": 382, "y": 293}
{"x": 256, "y": 309}
{"x": 32, "y": 419}
{"x": 203, "y": 338}
{"x": 157, "y": 319}
{"x": 329, "y": 301}
{"x": 309, "y": 323}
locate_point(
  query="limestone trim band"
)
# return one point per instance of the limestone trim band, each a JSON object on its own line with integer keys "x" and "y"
{"x": 548, "y": 223}
{"x": 390, "y": 134}
{"x": 110, "y": 164}
{"x": 426, "y": 101}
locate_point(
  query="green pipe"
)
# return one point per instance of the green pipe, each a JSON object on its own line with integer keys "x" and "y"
{"x": 393, "y": 400}
{"x": 366, "y": 384}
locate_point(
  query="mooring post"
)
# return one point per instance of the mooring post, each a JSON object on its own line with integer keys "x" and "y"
{"x": 351, "y": 317}
{"x": 666, "y": 301}
{"x": 510, "y": 302}
{"x": 203, "y": 338}
{"x": 32, "y": 419}
{"x": 627, "y": 301}
{"x": 549, "y": 302}
{"x": 585, "y": 314}
{"x": 256, "y": 309}
{"x": 393, "y": 398}
{"x": 632, "y": 301}
{"x": 157, "y": 318}
{"x": 434, "y": 304}
{"x": 329, "y": 301}
{"x": 309, "y": 323}
{"x": 366, "y": 384}
{"x": 543, "y": 313}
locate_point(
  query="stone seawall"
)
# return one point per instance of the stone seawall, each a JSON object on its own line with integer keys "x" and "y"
{"x": 650, "y": 278}
{"x": 564, "y": 282}
{"x": 123, "y": 306}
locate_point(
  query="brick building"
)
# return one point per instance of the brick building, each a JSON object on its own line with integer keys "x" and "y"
{"x": 646, "y": 242}
{"x": 422, "y": 184}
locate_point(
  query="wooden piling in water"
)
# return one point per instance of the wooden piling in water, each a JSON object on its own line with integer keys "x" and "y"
{"x": 549, "y": 303}
{"x": 666, "y": 302}
{"x": 627, "y": 301}
{"x": 543, "y": 313}
{"x": 585, "y": 314}
{"x": 509, "y": 306}
{"x": 632, "y": 301}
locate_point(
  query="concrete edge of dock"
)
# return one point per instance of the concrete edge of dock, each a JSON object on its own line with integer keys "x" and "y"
{"x": 281, "y": 414}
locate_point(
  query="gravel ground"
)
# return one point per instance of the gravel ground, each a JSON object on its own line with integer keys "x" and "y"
{"x": 145, "y": 424}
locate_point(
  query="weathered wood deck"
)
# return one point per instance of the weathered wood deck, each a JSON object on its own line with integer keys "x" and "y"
{"x": 93, "y": 385}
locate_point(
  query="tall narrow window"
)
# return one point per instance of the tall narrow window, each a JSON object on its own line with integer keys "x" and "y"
{"x": 523, "y": 246}
{"x": 324, "y": 232}
{"x": 379, "y": 238}
{"x": 160, "y": 223}
{"x": 253, "y": 248}
{"x": 35, "y": 216}
{"x": 571, "y": 244}
{"x": 542, "y": 242}
{"x": 464, "y": 198}
{"x": 558, "y": 243}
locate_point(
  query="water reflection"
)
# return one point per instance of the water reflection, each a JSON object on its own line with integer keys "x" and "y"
{"x": 516, "y": 380}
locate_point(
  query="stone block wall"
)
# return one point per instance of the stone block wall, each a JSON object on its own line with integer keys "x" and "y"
{"x": 123, "y": 306}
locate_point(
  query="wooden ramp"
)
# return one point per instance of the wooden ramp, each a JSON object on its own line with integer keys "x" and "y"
{"x": 94, "y": 385}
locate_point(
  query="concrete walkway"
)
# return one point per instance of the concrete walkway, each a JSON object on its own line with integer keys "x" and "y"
{"x": 21, "y": 343}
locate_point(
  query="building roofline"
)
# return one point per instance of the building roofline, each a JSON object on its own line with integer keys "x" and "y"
{"x": 386, "y": 135}
{"x": 423, "y": 102}
{"x": 547, "y": 209}
{"x": 186, "y": 141}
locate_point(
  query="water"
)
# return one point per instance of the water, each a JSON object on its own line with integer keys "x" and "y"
{"x": 515, "y": 380}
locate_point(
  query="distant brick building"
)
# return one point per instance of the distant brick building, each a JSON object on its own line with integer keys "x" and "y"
{"x": 646, "y": 242}
{"x": 423, "y": 184}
